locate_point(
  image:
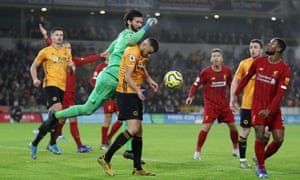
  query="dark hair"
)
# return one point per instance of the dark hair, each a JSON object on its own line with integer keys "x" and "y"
{"x": 154, "y": 43}
{"x": 216, "y": 50}
{"x": 281, "y": 44}
{"x": 130, "y": 15}
{"x": 258, "y": 41}
{"x": 56, "y": 29}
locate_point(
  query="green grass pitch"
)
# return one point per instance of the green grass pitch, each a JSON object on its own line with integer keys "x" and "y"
{"x": 168, "y": 151}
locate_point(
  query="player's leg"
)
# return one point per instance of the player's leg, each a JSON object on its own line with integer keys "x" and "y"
{"x": 105, "y": 126}
{"x": 259, "y": 149}
{"x": 76, "y": 136}
{"x": 245, "y": 124}
{"x": 117, "y": 124}
{"x": 104, "y": 89}
{"x": 54, "y": 98}
{"x": 277, "y": 128}
{"x": 201, "y": 139}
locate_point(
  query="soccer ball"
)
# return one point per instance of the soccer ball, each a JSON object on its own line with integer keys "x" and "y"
{"x": 173, "y": 79}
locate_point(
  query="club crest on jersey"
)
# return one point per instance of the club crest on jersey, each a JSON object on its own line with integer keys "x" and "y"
{"x": 213, "y": 78}
{"x": 261, "y": 69}
{"x": 140, "y": 65}
{"x": 54, "y": 98}
{"x": 225, "y": 77}
{"x": 287, "y": 80}
{"x": 55, "y": 59}
{"x": 132, "y": 58}
{"x": 275, "y": 73}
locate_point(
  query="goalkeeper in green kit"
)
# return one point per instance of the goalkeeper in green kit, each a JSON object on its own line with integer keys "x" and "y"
{"x": 107, "y": 81}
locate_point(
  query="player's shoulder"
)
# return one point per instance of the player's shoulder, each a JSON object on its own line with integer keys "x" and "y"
{"x": 246, "y": 61}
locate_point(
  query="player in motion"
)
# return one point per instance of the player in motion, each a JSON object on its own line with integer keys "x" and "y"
{"x": 272, "y": 76}
{"x": 57, "y": 62}
{"x": 107, "y": 80}
{"x": 109, "y": 108}
{"x": 255, "y": 49}
{"x": 215, "y": 80}
{"x": 69, "y": 97}
{"x": 129, "y": 99}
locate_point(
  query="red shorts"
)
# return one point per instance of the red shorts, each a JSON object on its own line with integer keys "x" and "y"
{"x": 68, "y": 100}
{"x": 273, "y": 121}
{"x": 222, "y": 115}
{"x": 110, "y": 106}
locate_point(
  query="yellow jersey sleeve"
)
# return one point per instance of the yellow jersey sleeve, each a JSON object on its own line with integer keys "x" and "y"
{"x": 54, "y": 63}
{"x": 249, "y": 88}
{"x": 131, "y": 58}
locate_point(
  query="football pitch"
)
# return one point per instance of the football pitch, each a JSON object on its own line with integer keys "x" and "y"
{"x": 167, "y": 150}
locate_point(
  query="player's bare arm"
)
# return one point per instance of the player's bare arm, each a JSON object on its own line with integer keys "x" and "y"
{"x": 33, "y": 72}
{"x": 234, "y": 106}
{"x": 131, "y": 83}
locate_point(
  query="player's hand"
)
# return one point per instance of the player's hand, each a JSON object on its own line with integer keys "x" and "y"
{"x": 264, "y": 113}
{"x": 70, "y": 67}
{"x": 152, "y": 21}
{"x": 141, "y": 95}
{"x": 234, "y": 105}
{"x": 36, "y": 83}
{"x": 189, "y": 100}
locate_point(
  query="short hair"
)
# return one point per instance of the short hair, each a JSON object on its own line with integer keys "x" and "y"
{"x": 56, "y": 29}
{"x": 281, "y": 44}
{"x": 130, "y": 15}
{"x": 154, "y": 43}
{"x": 258, "y": 41}
{"x": 216, "y": 50}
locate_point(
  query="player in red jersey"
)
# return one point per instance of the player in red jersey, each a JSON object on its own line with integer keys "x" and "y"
{"x": 215, "y": 79}
{"x": 272, "y": 76}
{"x": 109, "y": 108}
{"x": 69, "y": 95}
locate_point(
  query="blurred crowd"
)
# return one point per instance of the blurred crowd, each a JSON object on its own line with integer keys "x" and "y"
{"x": 16, "y": 83}
{"x": 232, "y": 33}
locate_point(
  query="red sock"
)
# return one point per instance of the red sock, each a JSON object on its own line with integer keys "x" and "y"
{"x": 59, "y": 129}
{"x": 104, "y": 134}
{"x": 115, "y": 127}
{"x": 201, "y": 139}
{"x": 260, "y": 153}
{"x": 75, "y": 133}
{"x": 234, "y": 139}
{"x": 271, "y": 149}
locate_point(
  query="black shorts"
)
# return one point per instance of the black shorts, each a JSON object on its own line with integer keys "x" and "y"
{"x": 54, "y": 95}
{"x": 245, "y": 118}
{"x": 130, "y": 107}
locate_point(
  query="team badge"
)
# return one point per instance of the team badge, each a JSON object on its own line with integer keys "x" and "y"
{"x": 55, "y": 59}
{"x": 135, "y": 113}
{"x": 132, "y": 58}
{"x": 54, "y": 99}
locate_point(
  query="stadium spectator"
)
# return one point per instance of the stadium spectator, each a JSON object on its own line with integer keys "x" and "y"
{"x": 215, "y": 80}
{"x": 129, "y": 99}
{"x": 16, "y": 112}
{"x": 272, "y": 76}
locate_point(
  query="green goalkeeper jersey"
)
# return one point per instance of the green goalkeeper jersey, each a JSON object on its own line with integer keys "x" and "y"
{"x": 116, "y": 49}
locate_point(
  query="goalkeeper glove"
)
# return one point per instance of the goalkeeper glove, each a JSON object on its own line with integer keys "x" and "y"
{"x": 150, "y": 22}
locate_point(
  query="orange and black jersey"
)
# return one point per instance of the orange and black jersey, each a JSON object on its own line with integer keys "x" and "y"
{"x": 55, "y": 66}
{"x": 132, "y": 57}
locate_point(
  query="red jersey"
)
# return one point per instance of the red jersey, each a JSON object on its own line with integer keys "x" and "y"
{"x": 98, "y": 69}
{"x": 215, "y": 86}
{"x": 271, "y": 82}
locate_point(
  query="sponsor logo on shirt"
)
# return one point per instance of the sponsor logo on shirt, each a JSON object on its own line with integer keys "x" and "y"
{"x": 218, "y": 84}
{"x": 266, "y": 79}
